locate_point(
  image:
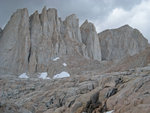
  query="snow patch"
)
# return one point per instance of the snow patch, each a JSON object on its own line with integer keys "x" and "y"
{"x": 61, "y": 75}
{"x": 110, "y": 111}
{"x": 23, "y": 75}
{"x": 55, "y": 59}
{"x": 44, "y": 75}
{"x": 64, "y": 64}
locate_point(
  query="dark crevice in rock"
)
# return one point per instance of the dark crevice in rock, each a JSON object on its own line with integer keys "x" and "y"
{"x": 71, "y": 103}
{"x": 50, "y": 103}
{"x": 147, "y": 93}
{"x": 29, "y": 55}
{"x": 90, "y": 107}
{"x": 93, "y": 103}
{"x": 139, "y": 87}
{"x": 36, "y": 67}
{"x": 103, "y": 109}
{"x": 111, "y": 92}
{"x": 118, "y": 81}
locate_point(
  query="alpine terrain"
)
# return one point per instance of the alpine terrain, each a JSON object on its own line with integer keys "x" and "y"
{"x": 50, "y": 65}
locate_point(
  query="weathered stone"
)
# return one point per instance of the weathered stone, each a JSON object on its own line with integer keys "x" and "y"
{"x": 72, "y": 27}
{"x": 111, "y": 92}
{"x": 119, "y": 43}
{"x": 35, "y": 41}
{"x": 55, "y": 97}
{"x": 75, "y": 106}
{"x": 23, "y": 110}
{"x": 15, "y": 44}
{"x": 94, "y": 98}
{"x": 28, "y": 44}
{"x": 51, "y": 37}
{"x": 85, "y": 87}
{"x": 93, "y": 103}
{"x": 90, "y": 39}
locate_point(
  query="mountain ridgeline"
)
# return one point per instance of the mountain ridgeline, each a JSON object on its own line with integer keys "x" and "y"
{"x": 29, "y": 43}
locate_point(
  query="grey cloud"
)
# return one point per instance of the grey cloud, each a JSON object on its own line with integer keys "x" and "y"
{"x": 85, "y": 9}
{"x": 7, "y": 7}
{"x": 126, "y": 4}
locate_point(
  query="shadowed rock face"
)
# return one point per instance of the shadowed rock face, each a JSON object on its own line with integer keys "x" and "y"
{"x": 121, "y": 42}
{"x": 0, "y": 31}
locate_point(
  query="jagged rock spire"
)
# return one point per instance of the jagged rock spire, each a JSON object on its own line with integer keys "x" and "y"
{"x": 28, "y": 43}
{"x": 90, "y": 39}
{"x": 15, "y": 43}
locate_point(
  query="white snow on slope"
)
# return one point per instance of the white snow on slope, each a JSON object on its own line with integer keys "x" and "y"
{"x": 64, "y": 64}
{"x": 23, "y": 75}
{"x": 55, "y": 59}
{"x": 61, "y": 75}
{"x": 44, "y": 75}
{"x": 110, "y": 111}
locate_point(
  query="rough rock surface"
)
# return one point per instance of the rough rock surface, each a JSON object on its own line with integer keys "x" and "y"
{"x": 44, "y": 43}
{"x": 15, "y": 44}
{"x": 121, "y": 42}
{"x": 138, "y": 60}
{"x": 29, "y": 43}
{"x": 51, "y": 37}
{"x": 90, "y": 39}
{"x": 122, "y": 92}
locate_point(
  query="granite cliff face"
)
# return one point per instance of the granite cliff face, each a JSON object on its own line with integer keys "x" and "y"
{"x": 29, "y": 43}
{"x": 121, "y": 42}
{"x": 90, "y": 39}
{"x": 51, "y": 37}
{"x": 15, "y": 43}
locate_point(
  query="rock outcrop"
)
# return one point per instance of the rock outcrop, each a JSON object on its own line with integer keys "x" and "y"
{"x": 51, "y": 37}
{"x": 44, "y": 43}
{"x": 121, "y": 42}
{"x": 90, "y": 39}
{"x": 138, "y": 60}
{"x": 122, "y": 92}
{"x": 15, "y": 44}
{"x": 29, "y": 44}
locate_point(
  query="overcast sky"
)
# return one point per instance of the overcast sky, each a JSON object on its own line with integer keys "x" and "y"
{"x": 105, "y": 14}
